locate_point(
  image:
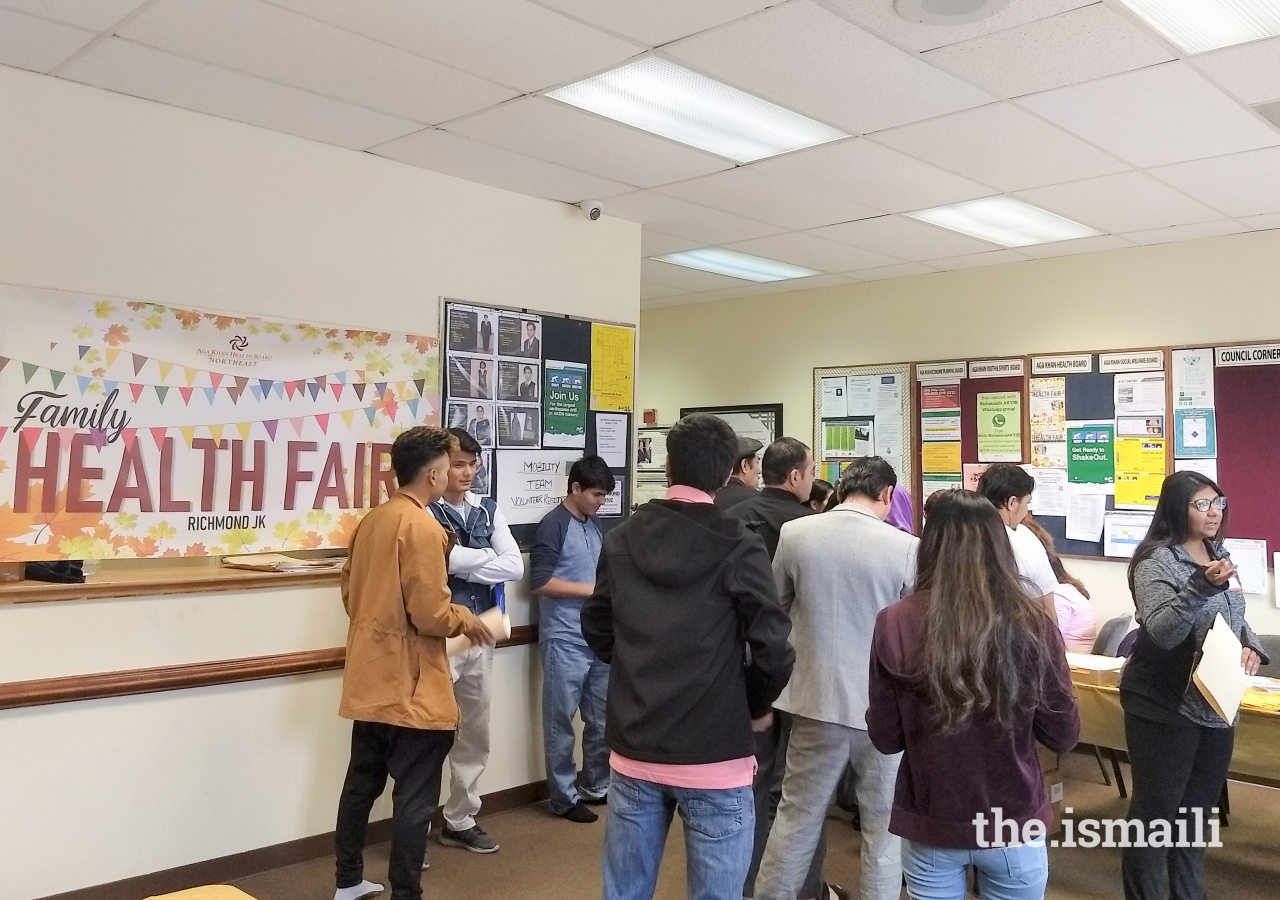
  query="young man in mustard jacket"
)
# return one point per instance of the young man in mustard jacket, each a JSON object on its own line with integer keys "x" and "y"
{"x": 396, "y": 684}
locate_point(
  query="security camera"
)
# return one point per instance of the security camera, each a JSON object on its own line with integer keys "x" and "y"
{"x": 592, "y": 209}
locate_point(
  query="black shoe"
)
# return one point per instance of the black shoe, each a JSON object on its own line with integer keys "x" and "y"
{"x": 579, "y": 813}
{"x": 602, "y": 800}
{"x": 474, "y": 839}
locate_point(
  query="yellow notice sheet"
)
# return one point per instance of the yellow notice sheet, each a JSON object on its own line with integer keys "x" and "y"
{"x": 940, "y": 458}
{"x": 1140, "y": 471}
{"x": 612, "y": 367}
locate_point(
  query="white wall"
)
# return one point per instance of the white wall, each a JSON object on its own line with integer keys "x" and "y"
{"x": 107, "y": 194}
{"x": 764, "y": 349}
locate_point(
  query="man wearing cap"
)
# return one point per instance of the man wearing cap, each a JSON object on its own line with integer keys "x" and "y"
{"x": 744, "y": 483}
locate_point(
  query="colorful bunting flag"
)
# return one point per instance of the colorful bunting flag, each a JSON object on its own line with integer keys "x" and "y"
{"x": 337, "y": 390}
{"x": 271, "y": 425}
{"x": 128, "y": 435}
{"x": 371, "y": 413}
{"x": 138, "y": 362}
{"x": 30, "y": 436}
{"x": 359, "y": 389}
{"x": 186, "y": 395}
{"x": 112, "y": 354}
{"x": 297, "y": 424}
{"x": 83, "y": 381}
{"x": 215, "y": 432}
{"x": 188, "y": 433}
{"x": 165, "y": 369}
{"x": 136, "y": 390}
{"x": 28, "y": 370}
{"x": 244, "y": 428}
{"x": 215, "y": 379}
{"x": 84, "y": 348}
{"x": 346, "y": 415}
{"x": 158, "y": 435}
{"x": 322, "y": 420}
{"x": 161, "y": 392}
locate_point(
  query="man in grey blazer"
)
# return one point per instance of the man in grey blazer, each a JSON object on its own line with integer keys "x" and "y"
{"x": 835, "y": 572}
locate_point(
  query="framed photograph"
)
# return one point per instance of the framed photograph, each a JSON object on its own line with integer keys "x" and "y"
{"x": 651, "y": 452}
{"x": 471, "y": 377}
{"x": 482, "y": 484}
{"x": 520, "y": 336}
{"x": 519, "y": 382}
{"x": 762, "y": 421}
{"x": 519, "y": 426}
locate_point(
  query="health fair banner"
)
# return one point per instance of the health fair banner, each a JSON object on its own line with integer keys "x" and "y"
{"x": 137, "y": 430}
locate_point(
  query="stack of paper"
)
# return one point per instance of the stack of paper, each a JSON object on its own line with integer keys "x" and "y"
{"x": 1220, "y": 677}
{"x": 1089, "y": 669}
{"x": 278, "y": 562}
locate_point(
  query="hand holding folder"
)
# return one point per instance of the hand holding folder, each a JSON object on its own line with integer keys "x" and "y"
{"x": 1220, "y": 677}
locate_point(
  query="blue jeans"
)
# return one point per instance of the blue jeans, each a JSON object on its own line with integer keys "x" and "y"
{"x": 719, "y": 828}
{"x": 573, "y": 679}
{"x": 1004, "y": 873}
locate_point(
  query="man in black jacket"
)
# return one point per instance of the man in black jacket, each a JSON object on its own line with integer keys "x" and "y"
{"x": 744, "y": 483}
{"x": 788, "y": 481}
{"x": 685, "y": 611}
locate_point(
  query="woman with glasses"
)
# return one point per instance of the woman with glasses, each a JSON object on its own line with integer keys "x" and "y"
{"x": 1181, "y": 579}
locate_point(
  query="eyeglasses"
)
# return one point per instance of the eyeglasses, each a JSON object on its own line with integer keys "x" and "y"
{"x": 1204, "y": 504}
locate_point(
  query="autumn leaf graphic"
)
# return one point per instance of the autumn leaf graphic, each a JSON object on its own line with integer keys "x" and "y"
{"x": 290, "y": 533}
{"x": 126, "y": 521}
{"x": 238, "y": 540}
{"x": 341, "y": 534}
{"x": 421, "y": 343}
{"x": 103, "y": 308}
{"x": 161, "y": 532}
{"x": 115, "y": 336}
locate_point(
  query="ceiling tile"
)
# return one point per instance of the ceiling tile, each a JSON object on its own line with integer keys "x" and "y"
{"x": 790, "y": 286}
{"x": 1162, "y": 114}
{"x": 1079, "y": 245}
{"x": 1186, "y": 232}
{"x": 1003, "y": 146}
{"x": 904, "y": 238}
{"x": 881, "y": 17}
{"x": 814, "y": 253}
{"x": 129, "y": 68}
{"x": 1246, "y": 184}
{"x": 687, "y": 220}
{"x": 656, "y": 22}
{"x": 899, "y": 271}
{"x": 1250, "y": 71}
{"x": 685, "y": 279}
{"x": 977, "y": 260}
{"x": 1262, "y": 223}
{"x": 546, "y": 129}
{"x": 748, "y": 191}
{"x": 655, "y": 243}
{"x": 680, "y": 300}
{"x": 658, "y": 291}
{"x": 96, "y": 15}
{"x": 874, "y": 176}
{"x": 1086, "y": 43}
{"x": 35, "y": 44}
{"x": 808, "y": 59}
{"x": 461, "y": 157}
{"x": 1130, "y": 201}
{"x": 257, "y": 39}
{"x": 511, "y": 42}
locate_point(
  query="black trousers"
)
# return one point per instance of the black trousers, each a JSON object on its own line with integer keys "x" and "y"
{"x": 1175, "y": 767}
{"x": 771, "y": 765}
{"x": 414, "y": 759}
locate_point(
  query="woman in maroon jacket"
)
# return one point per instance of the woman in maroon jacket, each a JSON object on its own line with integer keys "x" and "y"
{"x": 966, "y": 675}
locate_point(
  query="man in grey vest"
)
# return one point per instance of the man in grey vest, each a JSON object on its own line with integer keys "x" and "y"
{"x": 835, "y": 572}
{"x": 484, "y": 556}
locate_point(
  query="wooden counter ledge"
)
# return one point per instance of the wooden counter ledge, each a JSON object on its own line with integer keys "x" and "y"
{"x": 147, "y": 577}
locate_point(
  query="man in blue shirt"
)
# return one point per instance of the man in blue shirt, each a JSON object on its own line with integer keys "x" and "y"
{"x": 562, "y": 564}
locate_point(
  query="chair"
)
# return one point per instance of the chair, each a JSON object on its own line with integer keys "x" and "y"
{"x": 1271, "y": 645}
{"x": 1110, "y": 635}
{"x": 1108, "y": 644}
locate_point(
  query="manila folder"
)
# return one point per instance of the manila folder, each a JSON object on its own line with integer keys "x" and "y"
{"x": 1220, "y": 677}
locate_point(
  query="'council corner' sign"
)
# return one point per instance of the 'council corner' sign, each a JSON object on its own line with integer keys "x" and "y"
{"x": 1251, "y": 355}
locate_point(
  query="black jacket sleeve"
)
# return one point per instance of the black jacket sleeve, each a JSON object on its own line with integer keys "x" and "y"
{"x": 764, "y": 625}
{"x": 597, "y": 614}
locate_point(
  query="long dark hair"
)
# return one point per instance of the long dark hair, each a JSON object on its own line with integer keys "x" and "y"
{"x": 1171, "y": 523}
{"x": 983, "y": 635}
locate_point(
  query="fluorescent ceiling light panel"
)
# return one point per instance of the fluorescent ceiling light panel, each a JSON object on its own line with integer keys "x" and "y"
{"x": 1004, "y": 221}
{"x": 1197, "y": 26}
{"x": 656, "y": 95}
{"x": 736, "y": 265}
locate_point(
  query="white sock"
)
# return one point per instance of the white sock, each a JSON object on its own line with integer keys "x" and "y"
{"x": 365, "y": 888}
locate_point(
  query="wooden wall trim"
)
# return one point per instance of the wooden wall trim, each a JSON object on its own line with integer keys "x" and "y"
{"x": 150, "y": 578}
{"x": 130, "y": 682}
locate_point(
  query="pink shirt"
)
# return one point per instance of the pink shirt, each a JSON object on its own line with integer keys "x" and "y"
{"x": 719, "y": 776}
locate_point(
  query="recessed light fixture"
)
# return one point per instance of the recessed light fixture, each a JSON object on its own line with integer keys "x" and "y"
{"x": 1005, "y": 221}
{"x": 736, "y": 265}
{"x": 1197, "y": 26}
{"x": 656, "y": 95}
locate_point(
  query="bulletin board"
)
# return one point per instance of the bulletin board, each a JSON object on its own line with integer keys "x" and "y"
{"x": 861, "y": 411}
{"x": 762, "y": 421}
{"x": 538, "y": 392}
